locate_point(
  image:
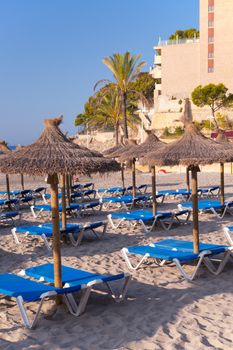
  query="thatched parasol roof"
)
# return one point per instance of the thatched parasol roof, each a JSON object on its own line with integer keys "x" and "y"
{"x": 116, "y": 148}
{"x": 151, "y": 143}
{"x": 54, "y": 153}
{"x": 127, "y": 147}
{"x": 3, "y": 147}
{"x": 90, "y": 152}
{"x": 193, "y": 148}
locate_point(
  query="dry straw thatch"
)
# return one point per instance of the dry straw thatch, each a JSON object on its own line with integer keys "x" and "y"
{"x": 193, "y": 148}
{"x": 116, "y": 148}
{"x": 3, "y": 147}
{"x": 54, "y": 153}
{"x": 127, "y": 147}
{"x": 151, "y": 143}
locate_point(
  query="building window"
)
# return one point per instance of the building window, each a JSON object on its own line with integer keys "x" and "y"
{"x": 210, "y": 55}
{"x": 210, "y": 8}
{"x": 210, "y": 69}
{"x": 210, "y": 24}
{"x": 210, "y": 39}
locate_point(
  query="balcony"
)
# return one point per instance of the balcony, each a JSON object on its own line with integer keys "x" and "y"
{"x": 177, "y": 42}
{"x": 156, "y": 72}
{"x": 157, "y": 59}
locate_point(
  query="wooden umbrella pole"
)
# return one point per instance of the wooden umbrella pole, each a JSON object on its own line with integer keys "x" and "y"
{"x": 153, "y": 183}
{"x": 53, "y": 180}
{"x": 68, "y": 189}
{"x": 195, "y": 210}
{"x": 222, "y": 196}
{"x": 187, "y": 179}
{"x": 22, "y": 181}
{"x": 63, "y": 194}
{"x": 122, "y": 175}
{"x": 134, "y": 178}
{"x": 8, "y": 187}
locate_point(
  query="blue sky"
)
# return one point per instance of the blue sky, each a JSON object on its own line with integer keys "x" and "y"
{"x": 51, "y": 53}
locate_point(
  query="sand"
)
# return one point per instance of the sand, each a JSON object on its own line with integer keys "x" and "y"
{"x": 162, "y": 311}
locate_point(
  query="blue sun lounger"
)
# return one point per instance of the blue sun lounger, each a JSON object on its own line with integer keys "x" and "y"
{"x": 73, "y": 208}
{"x": 180, "y": 252}
{"x": 9, "y": 216}
{"x": 116, "y": 191}
{"x": 81, "y": 186}
{"x": 125, "y": 202}
{"x": 74, "y": 232}
{"x": 8, "y": 203}
{"x": 75, "y": 195}
{"x": 25, "y": 290}
{"x": 181, "y": 193}
{"x": 210, "y": 205}
{"x": 147, "y": 220}
{"x": 209, "y": 192}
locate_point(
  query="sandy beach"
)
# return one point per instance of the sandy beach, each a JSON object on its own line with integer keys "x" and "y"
{"x": 162, "y": 310}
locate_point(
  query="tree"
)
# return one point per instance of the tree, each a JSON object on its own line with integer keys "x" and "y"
{"x": 185, "y": 34}
{"x": 214, "y": 96}
{"x": 144, "y": 84}
{"x": 125, "y": 69}
{"x": 104, "y": 111}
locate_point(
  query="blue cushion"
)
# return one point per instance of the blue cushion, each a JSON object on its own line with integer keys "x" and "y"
{"x": 69, "y": 275}
{"x": 14, "y": 286}
{"x": 162, "y": 253}
{"x": 187, "y": 246}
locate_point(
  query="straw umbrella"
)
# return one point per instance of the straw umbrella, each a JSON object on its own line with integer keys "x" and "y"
{"x": 108, "y": 152}
{"x": 116, "y": 151}
{"x": 4, "y": 149}
{"x": 152, "y": 142}
{"x": 53, "y": 154}
{"x": 192, "y": 149}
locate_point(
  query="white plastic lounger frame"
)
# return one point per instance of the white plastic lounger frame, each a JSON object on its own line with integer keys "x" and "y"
{"x": 166, "y": 223}
{"x": 75, "y": 242}
{"x": 228, "y": 234}
{"x": 218, "y": 215}
{"x": 43, "y": 236}
{"x": 77, "y": 309}
{"x": 20, "y": 302}
{"x": 204, "y": 257}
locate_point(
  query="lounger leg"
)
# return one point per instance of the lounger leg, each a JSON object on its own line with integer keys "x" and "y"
{"x": 167, "y": 226}
{"x": 228, "y": 236}
{"x": 77, "y": 242}
{"x": 146, "y": 230}
{"x": 13, "y": 231}
{"x": 46, "y": 242}
{"x": 112, "y": 223}
{"x": 184, "y": 273}
{"x": 219, "y": 216}
{"x": 100, "y": 234}
{"x": 124, "y": 252}
{"x": 124, "y": 290}
{"x": 212, "y": 268}
{"x": 72, "y": 306}
{"x": 23, "y": 313}
{"x": 33, "y": 211}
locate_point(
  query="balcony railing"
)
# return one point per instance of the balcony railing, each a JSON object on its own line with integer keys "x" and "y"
{"x": 178, "y": 42}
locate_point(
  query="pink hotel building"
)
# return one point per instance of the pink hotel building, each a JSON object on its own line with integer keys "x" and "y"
{"x": 180, "y": 65}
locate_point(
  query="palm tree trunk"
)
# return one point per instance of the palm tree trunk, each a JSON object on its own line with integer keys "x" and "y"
{"x": 117, "y": 133}
{"x": 126, "y": 135}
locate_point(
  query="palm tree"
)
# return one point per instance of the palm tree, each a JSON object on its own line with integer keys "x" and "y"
{"x": 108, "y": 111}
{"x": 125, "y": 69}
